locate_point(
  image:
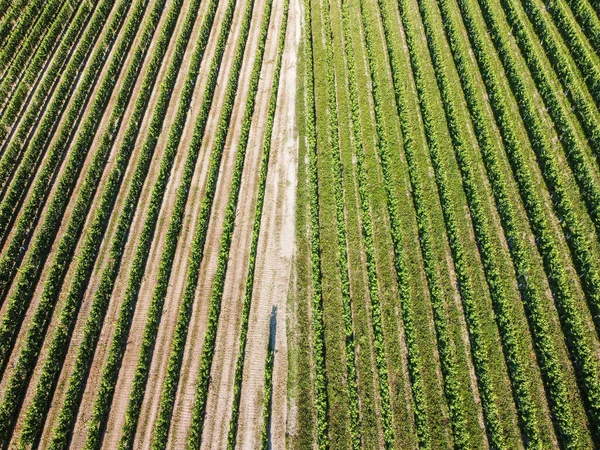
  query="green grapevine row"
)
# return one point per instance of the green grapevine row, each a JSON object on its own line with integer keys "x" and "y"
{"x": 11, "y": 112}
{"x": 43, "y": 393}
{"x": 511, "y": 346}
{"x": 30, "y": 270}
{"x": 39, "y": 192}
{"x": 318, "y": 329}
{"x": 334, "y": 140}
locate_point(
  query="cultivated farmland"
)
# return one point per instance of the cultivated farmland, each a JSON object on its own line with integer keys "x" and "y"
{"x": 299, "y": 224}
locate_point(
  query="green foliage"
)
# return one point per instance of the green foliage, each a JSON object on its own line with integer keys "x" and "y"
{"x": 511, "y": 346}
{"x": 318, "y": 331}
{"x": 25, "y": 284}
{"x": 38, "y": 193}
{"x": 21, "y": 92}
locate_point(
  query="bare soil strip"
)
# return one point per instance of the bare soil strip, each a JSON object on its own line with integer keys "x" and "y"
{"x": 274, "y": 261}
{"x": 129, "y": 365}
{"x": 216, "y": 425}
{"x": 151, "y": 403}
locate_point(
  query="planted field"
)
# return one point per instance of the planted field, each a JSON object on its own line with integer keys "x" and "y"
{"x": 299, "y": 224}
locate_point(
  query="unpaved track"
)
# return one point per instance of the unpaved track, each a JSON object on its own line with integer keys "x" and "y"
{"x": 151, "y": 402}
{"x": 129, "y": 365}
{"x": 220, "y": 396}
{"x": 66, "y": 217}
{"x": 274, "y": 260}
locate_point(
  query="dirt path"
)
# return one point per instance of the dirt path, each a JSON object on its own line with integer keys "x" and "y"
{"x": 124, "y": 384}
{"x": 274, "y": 261}
{"x": 150, "y": 406}
{"x": 220, "y": 395}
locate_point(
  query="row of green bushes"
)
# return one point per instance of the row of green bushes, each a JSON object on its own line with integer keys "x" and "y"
{"x": 447, "y": 358}
{"x": 265, "y": 434}
{"x": 318, "y": 328}
{"x": 582, "y": 169}
{"x": 10, "y": 19}
{"x": 342, "y": 242}
{"x": 585, "y": 59}
{"x": 13, "y": 62}
{"x": 29, "y": 116}
{"x": 30, "y": 270}
{"x": 587, "y": 20}
{"x": 22, "y": 229}
{"x": 547, "y": 354}
{"x": 478, "y": 340}
{"x": 117, "y": 348}
{"x": 176, "y": 221}
{"x": 37, "y": 410}
{"x": 28, "y": 18}
{"x": 26, "y": 285}
{"x": 508, "y": 332}
{"x": 413, "y": 356}
{"x": 580, "y": 347}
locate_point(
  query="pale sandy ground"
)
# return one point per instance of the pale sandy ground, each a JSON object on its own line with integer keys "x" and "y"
{"x": 274, "y": 260}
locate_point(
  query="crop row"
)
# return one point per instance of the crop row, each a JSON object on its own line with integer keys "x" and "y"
{"x": 21, "y": 230}
{"x": 116, "y": 352}
{"x": 13, "y": 62}
{"x": 35, "y": 146}
{"x": 586, "y": 109}
{"x": 57, "y": 271}
{"x": 587, "y": 267}
{"x": 451, "y": 387}
{"x": 38, "y": 252}
{"x": 160, "y": 434}
{"x": 506, "y": 326}
{"x": 4, "y": 6}
{"x": 318, "y": 328}
{"x": 37, "y": 410}
{"x": 260, "y": 200}
{"x": 10, "y": 19}
{"x": 37, "y": 101}
{"x": 575, "y": 154}
{"x": 93, "y": 326}
{"x": 206, "y": 357}
{"x": 414, "y": 359}
{"x": 532, "y": 296}
{"x": 342, "y": 243}
{"x": 176, "y": 222}
{"x": 19, "y": 70}
{"x": 28, "y": 17}
{"x": 587, "y": 19}
{"x": 478, "y": 340}
{"x": 576, "y": 337}
{"x": 585, "y": 59}
{"x": 265, "y": 435}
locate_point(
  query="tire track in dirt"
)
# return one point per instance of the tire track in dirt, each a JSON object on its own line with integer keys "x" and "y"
{"x": 220, "y": 396}
{"x": 66, "y": 217}
{"x": 274, "y": 261}
{"x": 150, "y": 406}
{"x": 129, "y": 365}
